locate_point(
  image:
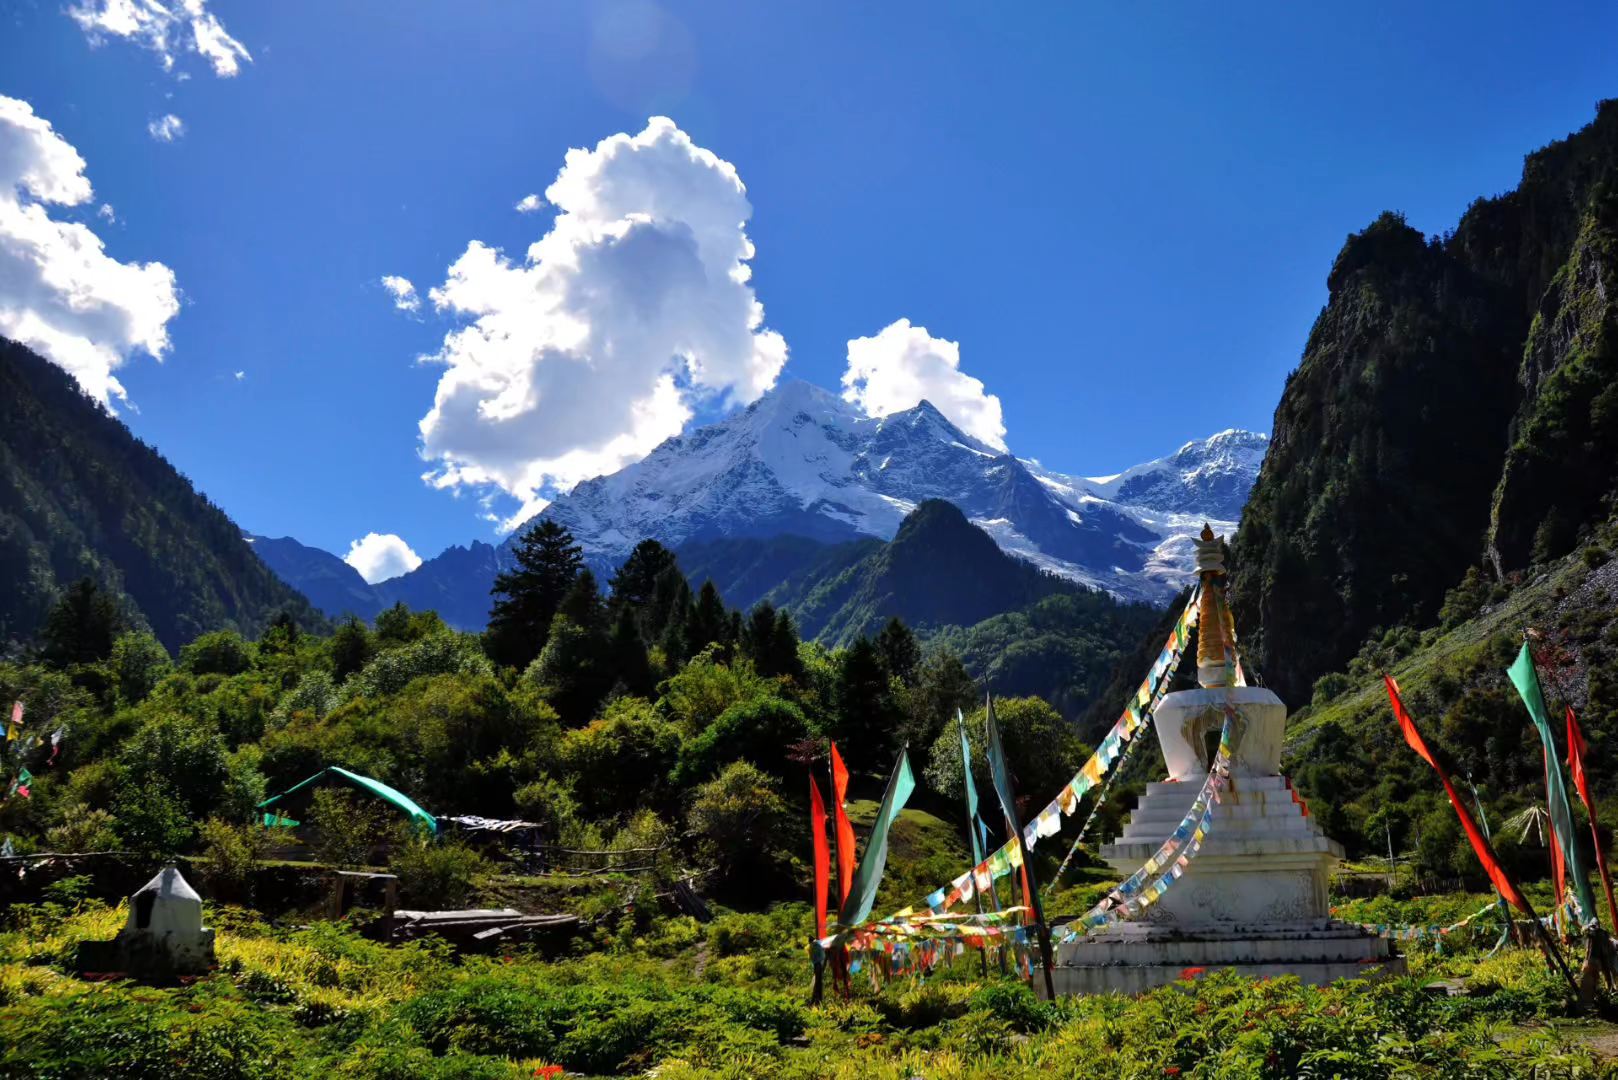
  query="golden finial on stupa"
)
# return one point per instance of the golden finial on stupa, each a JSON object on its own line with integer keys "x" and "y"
{"x": 1211, "y": 620}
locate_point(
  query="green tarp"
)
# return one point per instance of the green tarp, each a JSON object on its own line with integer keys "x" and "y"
{"x": 365, "y": 783}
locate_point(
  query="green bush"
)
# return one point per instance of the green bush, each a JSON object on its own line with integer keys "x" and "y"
{"x": 438, "y": 874}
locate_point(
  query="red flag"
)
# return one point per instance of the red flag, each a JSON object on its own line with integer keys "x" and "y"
{"x": 1480, "y": 844}
{"x": 817, "y": 830}
{"x": 845, "y": 829}
{"x": 1576, "y": 748}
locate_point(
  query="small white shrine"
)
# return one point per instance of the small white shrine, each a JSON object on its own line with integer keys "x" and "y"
{"x": 163, "y": 937}
{"x": 1255, "y": 897}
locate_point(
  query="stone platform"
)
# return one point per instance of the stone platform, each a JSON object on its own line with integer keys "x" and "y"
{"x": 1132, "y": 958}
{"x": 1253, "y": 900}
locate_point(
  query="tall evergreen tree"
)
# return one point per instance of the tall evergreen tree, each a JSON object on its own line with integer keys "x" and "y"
{"x": 583, "y": 605}
{"x": 709, "y": 622}
{"x": 635, "y": 583}
{"x": 82, "y": 626}
{"x": 527, "y": 597}
{"x": 671, "y": 611}
{"x": 351, "y": 648}
{"x": 867, "y": 717}
{"x": 899, "y": 650}
{"x": 627, "y": 656}
{"x": 769, "y": 640}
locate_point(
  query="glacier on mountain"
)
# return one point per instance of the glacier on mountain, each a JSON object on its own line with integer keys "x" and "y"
{"x": 802, "y": 461}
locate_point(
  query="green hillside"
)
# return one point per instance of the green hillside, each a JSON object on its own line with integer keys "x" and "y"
{"x": 82, "y": 497}
{"x": 1456, "y": 405}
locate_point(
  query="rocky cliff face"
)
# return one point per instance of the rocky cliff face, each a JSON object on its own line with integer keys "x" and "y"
{"x": 1453, "y": 401}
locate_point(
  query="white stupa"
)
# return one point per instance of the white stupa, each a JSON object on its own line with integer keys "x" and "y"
{"x": 163, "y": 936}
{"x": 1255, "y": 897}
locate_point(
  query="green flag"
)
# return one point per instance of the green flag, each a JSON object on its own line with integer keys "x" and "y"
{"x": 862, "y": 895}
{"x": 973, "y": 822}
{"x": 1526, "y": 679}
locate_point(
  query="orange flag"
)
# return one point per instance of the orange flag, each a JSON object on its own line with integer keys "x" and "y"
{"x": 1480, "y": 843}
{"x": 845, "y": 829}
{"x": 1576, "y": 748}
{"x": 817, "y": 831}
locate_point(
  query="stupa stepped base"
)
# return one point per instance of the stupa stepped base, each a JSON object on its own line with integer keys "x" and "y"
{"x": 1132, "y": 958}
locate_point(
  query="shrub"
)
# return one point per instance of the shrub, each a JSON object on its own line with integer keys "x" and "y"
{"x": 442, "y": 653}
{"x": 347, "y": 827}
{"x": 223, "y": 652}
{"x": 760, "y": 730}
{"x": 742, "y": 830}
{"x": 234, "y": 853}
{"x": 139, "y": 663}
{"x": 83, "y": 829}
{"x": 438, "y": 874}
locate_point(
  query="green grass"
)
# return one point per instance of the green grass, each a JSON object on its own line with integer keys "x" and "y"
{"x": 666, "y": 997}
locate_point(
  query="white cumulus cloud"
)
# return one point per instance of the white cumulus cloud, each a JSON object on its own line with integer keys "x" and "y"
{"x": 60, "y": 293}
{"x": 403, "y": 291}
{"x": 166, "y": 128}
{"x": 166, "y": 28}
{"x": 380, "y": 556}
{"x": 904, "y": 364}
{"x": 529, "y": 203}
{"x": 633, "y": 309}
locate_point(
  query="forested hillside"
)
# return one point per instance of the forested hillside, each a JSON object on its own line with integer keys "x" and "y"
{"x": 81, "y": 497}
{"x": 1455, "y": 406}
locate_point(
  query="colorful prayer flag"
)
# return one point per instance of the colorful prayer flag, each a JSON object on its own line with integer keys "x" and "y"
{"x": 1576, "y": 748}
{"x": 1526, "y": 679}
{"x": 857, "y": 906}
{"x": 822, "y": 858}
{"x": 1480, "y": 844}
{"x": 845, "y": 829}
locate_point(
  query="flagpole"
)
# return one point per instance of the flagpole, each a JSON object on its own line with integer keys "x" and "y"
{"x": 969, "y": 795}
{"x": 1002, "y": 784}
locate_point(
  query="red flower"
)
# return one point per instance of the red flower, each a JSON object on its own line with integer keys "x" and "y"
{"x": 1191, "y": 972}
{"x": 548, "y": 1071}
{"x": 1171, "y": 1070}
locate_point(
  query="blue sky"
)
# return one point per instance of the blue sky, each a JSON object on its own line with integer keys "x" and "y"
{"x": 1124, "y": 214}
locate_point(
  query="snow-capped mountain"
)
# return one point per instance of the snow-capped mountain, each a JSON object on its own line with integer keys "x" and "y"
{"x": 802, "y": 461}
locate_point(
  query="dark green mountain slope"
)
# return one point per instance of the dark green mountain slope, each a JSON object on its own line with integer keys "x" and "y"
{"x": 82, "y": 497}
{"x": 938, "y": 570}
{"x": 332, "y": 585}
{"x": 1454, "y": 399}
{"x": 749, "y": 569}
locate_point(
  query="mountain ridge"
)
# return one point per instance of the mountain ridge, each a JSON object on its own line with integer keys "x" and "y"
{"x": 81, "y": 496}
{"x": 803, "y": 463}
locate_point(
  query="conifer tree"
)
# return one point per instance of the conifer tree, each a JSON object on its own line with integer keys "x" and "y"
{"x": 528, "y": 596}
{"x": 635, "y": 583}
{"x": 899, "y": 650}
{"x": 82, "y": 626}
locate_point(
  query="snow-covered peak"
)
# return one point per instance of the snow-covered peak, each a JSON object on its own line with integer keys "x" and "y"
{"x": 800, "y": 460}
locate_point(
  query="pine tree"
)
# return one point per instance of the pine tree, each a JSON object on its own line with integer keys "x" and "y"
{"x": 527, "y": 597}
{"x": 635, "y": 583}
{"x": 82, "y": 626}
{"x": 627, "y": 652}
{"x": 770, "y": 641}
{"x": 708, "y": 622}
{"x": 867, "y": 717}
{"x": 899, "y": 651}
{"x": 351, "y": 648}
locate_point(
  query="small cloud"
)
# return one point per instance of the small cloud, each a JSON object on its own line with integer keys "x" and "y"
{"x": 380, "y": 556}
{"x": 166, "y": 128}
{"x": 165, "y": 29}
{"x": 105, "y": 213}
{"x": 529, "y": 203}
{"x": 404, "y": 292}
{"x": 904, "y": 365}
{"x": 240, "y": 375}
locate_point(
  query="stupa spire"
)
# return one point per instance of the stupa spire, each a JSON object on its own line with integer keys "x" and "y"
{"x": 1214, "y": 630}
